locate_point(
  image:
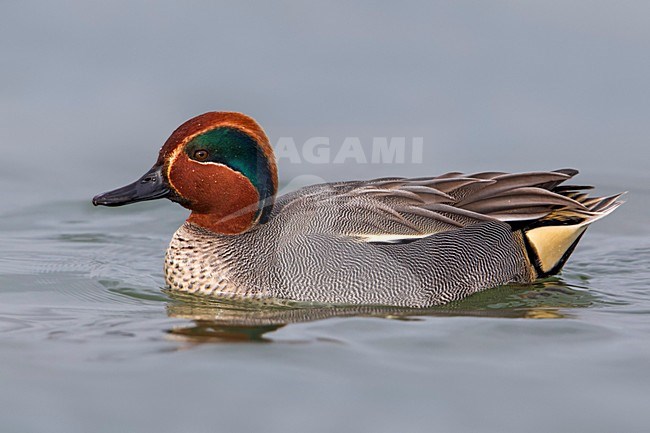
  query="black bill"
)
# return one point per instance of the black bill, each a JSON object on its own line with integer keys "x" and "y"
{"x": 151, "y": 186}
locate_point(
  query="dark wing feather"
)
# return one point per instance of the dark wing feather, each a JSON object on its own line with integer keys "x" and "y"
{"x": 392, "y": 209}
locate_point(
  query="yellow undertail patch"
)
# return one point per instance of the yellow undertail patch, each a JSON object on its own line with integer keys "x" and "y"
{"x": 552, "y": 242}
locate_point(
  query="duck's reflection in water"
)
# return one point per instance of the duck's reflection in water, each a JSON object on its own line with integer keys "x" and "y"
{"x": 221, "y": 321}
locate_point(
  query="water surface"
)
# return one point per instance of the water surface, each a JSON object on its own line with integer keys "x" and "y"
{"x": 89, "y": 334}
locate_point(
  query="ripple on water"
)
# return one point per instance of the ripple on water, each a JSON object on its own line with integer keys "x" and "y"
{"x": 217, "y": 320}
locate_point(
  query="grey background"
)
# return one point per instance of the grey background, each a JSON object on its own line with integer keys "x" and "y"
{"x": 89, "y": 91}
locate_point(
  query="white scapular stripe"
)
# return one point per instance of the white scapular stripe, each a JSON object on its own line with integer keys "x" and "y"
{"x": 390, "y": 238}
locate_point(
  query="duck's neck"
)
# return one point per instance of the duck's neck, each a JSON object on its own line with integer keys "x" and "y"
{"x": 236, "y": 210}
{"x": 223, "y": 200}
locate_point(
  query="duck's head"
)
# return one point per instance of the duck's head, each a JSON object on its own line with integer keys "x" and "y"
{"x": 219, "y": 165}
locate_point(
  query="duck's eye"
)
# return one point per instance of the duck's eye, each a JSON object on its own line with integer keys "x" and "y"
{"x": 201, "y": 155}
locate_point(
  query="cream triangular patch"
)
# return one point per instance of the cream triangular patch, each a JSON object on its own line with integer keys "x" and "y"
{"x": 552, "y": 242}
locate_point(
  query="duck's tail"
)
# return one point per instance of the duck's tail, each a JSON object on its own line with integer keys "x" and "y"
{"x": 550, "y": 241}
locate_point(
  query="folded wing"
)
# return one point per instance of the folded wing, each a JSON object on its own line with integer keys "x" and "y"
{"x": 397, "y": 210}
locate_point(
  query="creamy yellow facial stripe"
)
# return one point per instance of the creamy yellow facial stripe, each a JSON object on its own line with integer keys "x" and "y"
{"x": 171, "y": 159}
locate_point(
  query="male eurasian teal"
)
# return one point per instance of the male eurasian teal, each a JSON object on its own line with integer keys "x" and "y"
{"x": 391, "y": 241}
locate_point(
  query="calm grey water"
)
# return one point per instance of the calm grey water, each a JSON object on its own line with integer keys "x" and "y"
{"x": 91, "y": 341}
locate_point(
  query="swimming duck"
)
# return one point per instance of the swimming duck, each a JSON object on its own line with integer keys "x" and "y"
{"x": 413, "y": 242}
